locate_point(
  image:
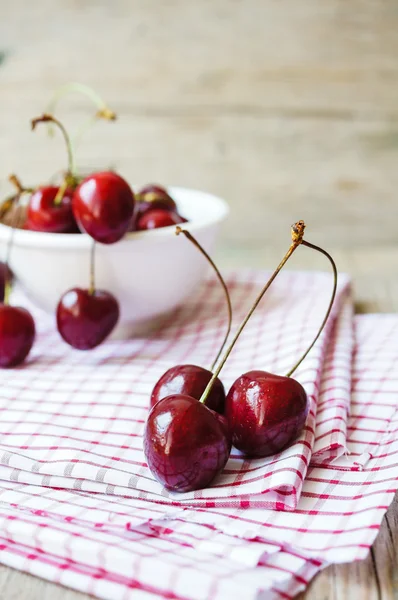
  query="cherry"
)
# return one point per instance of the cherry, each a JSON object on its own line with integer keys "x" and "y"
{"x": 85, "y": 318}
{"x": 189, "y": 380}
{"x": 265, "y": 412}
{"x": 156, "y": 218}
{"x": 50, "y": 207}
{"x": 192, "y": 380}
{"x": 46, "y": 214}
{"x": 17, "y": 334}
{"x": 103, "y": 206}
{"x": 185, "y": 443}
{"x": 154, "y": 196}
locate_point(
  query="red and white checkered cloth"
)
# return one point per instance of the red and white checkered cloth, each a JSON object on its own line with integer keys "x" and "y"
{"x": 76, "y": 419}
{"x": 116, "y": 546}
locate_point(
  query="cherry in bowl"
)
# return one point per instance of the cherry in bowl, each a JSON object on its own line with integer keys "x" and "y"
{"x": 48, "y": 214}
{"x": 103, "y": 206}
{"x": 155, "y": 218}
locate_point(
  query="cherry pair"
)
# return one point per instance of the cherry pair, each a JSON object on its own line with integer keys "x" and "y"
{"x": 192, "y": 424}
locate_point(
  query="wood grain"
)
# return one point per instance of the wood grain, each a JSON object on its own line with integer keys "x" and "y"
{"x": 287, "y": 109}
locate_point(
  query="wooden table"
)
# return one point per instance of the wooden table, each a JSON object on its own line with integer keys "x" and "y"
{"x": 286, "y": 108}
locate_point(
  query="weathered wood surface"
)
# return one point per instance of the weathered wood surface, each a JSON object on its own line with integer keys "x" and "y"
{"x": 287, "y": 109}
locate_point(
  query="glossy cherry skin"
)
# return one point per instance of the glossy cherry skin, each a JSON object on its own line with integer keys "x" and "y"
{"x": 84, "y": 320}
{"x": 185, "y": 443}
{"x": 154, "y": 196}
{"x": 17, "y": 334}
{"x": 190, "y": 380}
{"x": 103, "y": 205}
{"x": 44, "y": 215}
{"x": 265, "y": 412}
{"x": 157, "y": 218}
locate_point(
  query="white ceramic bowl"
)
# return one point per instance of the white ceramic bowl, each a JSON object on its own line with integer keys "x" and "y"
{"x": 149, "y": 272}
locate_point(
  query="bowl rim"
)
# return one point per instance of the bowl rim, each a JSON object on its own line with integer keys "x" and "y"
{"x": 81, "y": 240}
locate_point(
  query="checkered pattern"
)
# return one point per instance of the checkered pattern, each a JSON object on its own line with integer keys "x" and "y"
{"x": 335, "y": 390}
{"x": 80, "y": 417}
{"x": 66, "y": 430}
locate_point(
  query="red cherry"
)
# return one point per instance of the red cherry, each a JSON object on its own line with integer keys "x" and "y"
{"x": 17, "y": 334}
{"x": 44, "y": 215}
{"x": 103, "y": 206}
{"x": 154, "y": 196}
{"x": 189, "y": 380}
{"x": 185, "y": 443}
{"x": 156, "y": 218}
{"x": 265, "y": 412}
{"x": 85, "y": 319}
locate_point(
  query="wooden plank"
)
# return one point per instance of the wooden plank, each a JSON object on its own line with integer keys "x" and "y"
{"x": 15, "y": 585}
{"x": 288, "y": 57}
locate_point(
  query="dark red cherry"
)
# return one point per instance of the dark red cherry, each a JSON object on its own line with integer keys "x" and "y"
{"x": 103, "y": 206}
{"x": 17, "y": 334}
{"x": 154, "y": 196}
{"x": 190, "y": 380}
{"x": 265, "y": 412}
{"x": 44, "y": 215}
{"x": 85, "y": 319}
{"x": 185, "y": 443}
{"x": 156, "y": 218}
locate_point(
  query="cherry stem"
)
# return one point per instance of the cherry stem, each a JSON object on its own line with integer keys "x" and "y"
{"x": 305, "y": 243}
{"x": 91, "y": 289}
{"x": 47, "y": 118}
{"x": 16, "y": 182}
{"x": 297, "y": 232}
{"x": 103, "y": 112}
{"x": 61, "y": 192}
{"x": 191, "y": 238}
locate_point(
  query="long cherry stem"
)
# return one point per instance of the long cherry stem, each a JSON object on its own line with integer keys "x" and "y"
{"x": 103, "y": 110}
{"x": 47, "y": 118}
{"x": 305, "y": 243}
{"x": 193, "y": 241}
{"x": 91, "y": 289}
{"x": 297, "y": 237}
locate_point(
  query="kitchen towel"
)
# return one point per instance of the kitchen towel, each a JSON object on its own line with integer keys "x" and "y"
{"x": 75, "y": 420}
{"x": 116, "y": 547}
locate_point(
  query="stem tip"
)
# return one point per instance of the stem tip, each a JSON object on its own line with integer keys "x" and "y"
{"x": 298, "y": 232}
{"x": 107, "y": 114}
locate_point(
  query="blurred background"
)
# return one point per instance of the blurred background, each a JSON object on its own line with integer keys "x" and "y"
{"x": 287, "y": 109}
